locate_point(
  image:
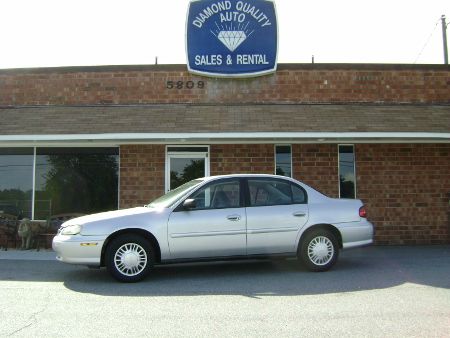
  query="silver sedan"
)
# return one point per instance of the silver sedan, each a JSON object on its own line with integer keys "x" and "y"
{"x": 215, "y": 218}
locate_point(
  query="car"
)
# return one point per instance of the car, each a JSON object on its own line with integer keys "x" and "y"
{"x": 10, "y": 209}
{"x": 217, "y": 218}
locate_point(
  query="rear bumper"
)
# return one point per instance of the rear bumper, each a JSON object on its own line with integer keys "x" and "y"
{"x": 357, "y": 244}
{"x": 78, "y": 249}
{"x": 356, "y": 234}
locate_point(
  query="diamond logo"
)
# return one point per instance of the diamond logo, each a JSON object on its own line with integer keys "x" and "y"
{"x": 232, "y": 39}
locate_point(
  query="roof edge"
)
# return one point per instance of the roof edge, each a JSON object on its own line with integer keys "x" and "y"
{"x": 183, "y": 67}
{"x": 233, "y": 104}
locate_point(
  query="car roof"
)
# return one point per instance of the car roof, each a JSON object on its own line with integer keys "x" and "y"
{"x": 210, "y": 178}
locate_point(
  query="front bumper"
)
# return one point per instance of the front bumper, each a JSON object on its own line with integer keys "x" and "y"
{"x": 78, "y": 249}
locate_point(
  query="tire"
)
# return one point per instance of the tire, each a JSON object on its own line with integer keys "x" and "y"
{"x": 319, "y": 250}
{"x": 129, "y": 258}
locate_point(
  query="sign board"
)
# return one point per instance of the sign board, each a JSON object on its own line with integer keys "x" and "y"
{"x": 230, "y": 38}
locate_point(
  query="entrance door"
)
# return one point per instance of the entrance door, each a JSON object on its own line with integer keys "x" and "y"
{"x": 184, "y": 164}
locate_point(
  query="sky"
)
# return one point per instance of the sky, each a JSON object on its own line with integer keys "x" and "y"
{"x": 54, "y": 33}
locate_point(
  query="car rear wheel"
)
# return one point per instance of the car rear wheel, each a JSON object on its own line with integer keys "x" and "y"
{"x": 129, "y": 258}
{"x": 319, "y": 250}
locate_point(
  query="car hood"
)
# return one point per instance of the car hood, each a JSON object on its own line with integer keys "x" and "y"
{"x": 107, "y": 222}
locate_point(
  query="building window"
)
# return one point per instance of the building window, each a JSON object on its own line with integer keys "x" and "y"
{"x": 16, "y": 182}
{"x": 184, "y": 164}
{"x": 283, "y": 160}
{"x": 58, "y": 181}
{"x": 347, "y": 181}
{"x": 75, "y": 180}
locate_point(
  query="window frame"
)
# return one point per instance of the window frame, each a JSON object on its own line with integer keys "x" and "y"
{"x": 354, "y": 169}
{"x": 34, "y": 171}
{"x": 290, "y": 158}
{"x": 25, "y": 151}
{"x": 290, "y": 183}
{"x": 241, "y": 182}
{"x": 188, "y": 154}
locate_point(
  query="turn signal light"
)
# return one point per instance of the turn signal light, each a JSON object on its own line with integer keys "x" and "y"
{"x": 363, "y": 212}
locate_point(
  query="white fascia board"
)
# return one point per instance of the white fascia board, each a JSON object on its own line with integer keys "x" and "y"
{"x": 215, "y": 138}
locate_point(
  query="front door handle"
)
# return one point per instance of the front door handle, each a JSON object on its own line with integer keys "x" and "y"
{"x": 234, "y": 218}
{"x": 299, "y": 214}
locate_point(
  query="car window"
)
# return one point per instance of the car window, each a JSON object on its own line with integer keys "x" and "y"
{"x": 174, "y": 195}
{"x": 218, "y": 195}
{"x": 298, "y": 195}
{"x": 266, "y": 192}
{"x": 269, "y": 192}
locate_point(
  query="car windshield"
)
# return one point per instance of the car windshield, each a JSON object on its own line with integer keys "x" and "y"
{"x": 172, "y": 196}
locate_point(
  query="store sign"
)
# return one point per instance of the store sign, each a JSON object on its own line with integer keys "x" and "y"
{"x": 232, "y": 38}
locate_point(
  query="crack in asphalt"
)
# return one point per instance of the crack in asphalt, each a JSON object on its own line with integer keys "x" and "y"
{"x": 31, "y": 318}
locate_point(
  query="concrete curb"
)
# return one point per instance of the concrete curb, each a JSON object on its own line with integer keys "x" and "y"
{"x": 28, "y": 255}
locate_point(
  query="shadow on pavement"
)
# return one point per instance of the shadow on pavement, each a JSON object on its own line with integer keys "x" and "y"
{"x": 357, "y": 270}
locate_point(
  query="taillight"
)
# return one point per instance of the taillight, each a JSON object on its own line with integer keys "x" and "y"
{"x": 363, "y": 212}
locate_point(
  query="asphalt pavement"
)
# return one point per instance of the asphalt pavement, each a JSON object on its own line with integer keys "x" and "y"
{"x": 371, "y": 292}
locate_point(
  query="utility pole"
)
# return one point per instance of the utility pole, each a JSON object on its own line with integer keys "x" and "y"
{"x": 444, "y": 38}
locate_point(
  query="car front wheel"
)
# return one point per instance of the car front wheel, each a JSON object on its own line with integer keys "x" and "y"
{"x": 129, "y": 258}
{"x": 319, "y": 250}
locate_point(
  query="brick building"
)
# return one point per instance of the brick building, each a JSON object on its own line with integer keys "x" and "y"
{"x": 380, "y": 133}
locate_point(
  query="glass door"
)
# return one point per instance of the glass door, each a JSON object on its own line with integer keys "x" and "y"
{"x": 184, "y": 164}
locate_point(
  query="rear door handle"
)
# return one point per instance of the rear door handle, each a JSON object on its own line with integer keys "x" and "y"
{"x": 234, "y": 218}
{"x": 299, "y": 214}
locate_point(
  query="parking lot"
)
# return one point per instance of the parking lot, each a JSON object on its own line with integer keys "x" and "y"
{"x": 375, "y": 292}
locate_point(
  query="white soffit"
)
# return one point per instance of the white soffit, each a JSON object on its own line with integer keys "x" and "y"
{"x": 217, "y": 138}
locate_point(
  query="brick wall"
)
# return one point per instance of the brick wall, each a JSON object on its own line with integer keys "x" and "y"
{"x": 142, "y": 170}
{"x": 406, "y": 189}
{"x": 317, "y": 166}
{"x": 296, "y": 83}
{"x": 242, "y": 159}
{"x": 142, "y": 167}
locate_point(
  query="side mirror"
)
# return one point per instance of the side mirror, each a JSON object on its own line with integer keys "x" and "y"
{"x": 189, "y": 204}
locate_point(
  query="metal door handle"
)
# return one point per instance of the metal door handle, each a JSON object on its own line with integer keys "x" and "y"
{"x": 234, "y": 218}
{"x": 299, "y": 214}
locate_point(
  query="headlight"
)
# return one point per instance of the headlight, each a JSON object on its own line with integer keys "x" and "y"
{"x": 71, "y": 230}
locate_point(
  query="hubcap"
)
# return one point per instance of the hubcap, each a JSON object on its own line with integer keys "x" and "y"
{"x": 130, "y": 259}
{"x": 320, "y": 250}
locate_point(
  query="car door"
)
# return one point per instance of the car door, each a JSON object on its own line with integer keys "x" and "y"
{"x": 276, "y": 211}
{"x": 215, "y": 227}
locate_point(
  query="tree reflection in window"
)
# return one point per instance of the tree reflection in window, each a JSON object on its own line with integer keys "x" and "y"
{"x": 283, "y": 160}
{"x": 347, "y": 171}
{"x": 76, "y": 181}
{"x": 16, "y": 181}
{"x": 194, "y": 168}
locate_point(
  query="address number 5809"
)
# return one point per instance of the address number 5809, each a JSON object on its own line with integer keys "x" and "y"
{"x": 185, "y": 84}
